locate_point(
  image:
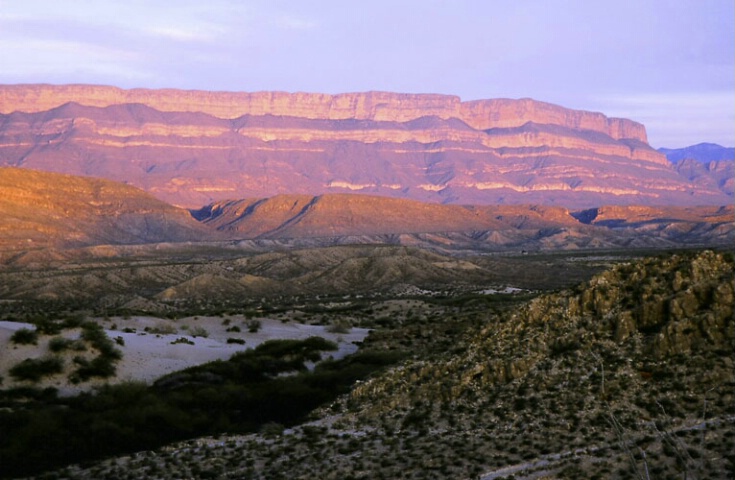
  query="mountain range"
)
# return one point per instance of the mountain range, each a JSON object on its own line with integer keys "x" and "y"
{"x": 701, "y": 152}
{"x": 441, "y": 224}
{"x": 42, "y": 209}
{"x": 193, "y": 148}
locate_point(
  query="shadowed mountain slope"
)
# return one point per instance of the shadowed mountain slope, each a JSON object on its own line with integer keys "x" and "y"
{"x": 706, "y": 165}
{"x": 717, "y": 174}
{"x": 702, "y": 152}
{"x": 191, "y": 148}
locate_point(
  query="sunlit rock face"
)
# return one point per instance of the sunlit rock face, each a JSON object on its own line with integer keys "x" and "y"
{"x": 41, "y": 209}
{"x": 303, "y": 216}
{"x": 193, "y": 147}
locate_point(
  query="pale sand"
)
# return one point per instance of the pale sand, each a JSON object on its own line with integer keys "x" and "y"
{"x": 148, "y": 356}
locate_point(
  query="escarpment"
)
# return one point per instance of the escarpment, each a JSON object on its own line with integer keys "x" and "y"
{"x": 192, "y": 148}
{"x": 375, "y": 106}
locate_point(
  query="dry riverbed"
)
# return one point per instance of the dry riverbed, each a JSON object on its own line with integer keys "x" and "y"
{"x": 152, "y": 347}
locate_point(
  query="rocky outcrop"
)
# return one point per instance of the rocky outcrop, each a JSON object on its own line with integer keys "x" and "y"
{"x": 654, "y": 309}
{"x": 192, "y": 148}
{"x": 680, "y": 304}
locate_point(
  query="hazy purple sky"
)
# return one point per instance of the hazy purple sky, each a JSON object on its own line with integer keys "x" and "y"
{"x": 667, "y": 63}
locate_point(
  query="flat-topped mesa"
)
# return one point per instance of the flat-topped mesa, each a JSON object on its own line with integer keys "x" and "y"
{"x": 507, "y": 113}
{"x": 379, "y": 106}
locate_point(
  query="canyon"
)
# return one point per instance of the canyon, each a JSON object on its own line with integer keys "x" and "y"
{"x": 193, "y": 148}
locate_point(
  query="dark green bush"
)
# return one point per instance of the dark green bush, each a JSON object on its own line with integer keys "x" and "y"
{"x": 33, "y": 369}
{"x": 59, "y": 344}
{"x": 25, "y": 336}
{"x": 93, "y": 333}
{"x": 239, "y": 395}
{"x": 101, "y": 366}
{"x": 47, "y": 326}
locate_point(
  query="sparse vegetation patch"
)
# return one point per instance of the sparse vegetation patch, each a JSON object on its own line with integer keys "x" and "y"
{"x": 33, "y": 369}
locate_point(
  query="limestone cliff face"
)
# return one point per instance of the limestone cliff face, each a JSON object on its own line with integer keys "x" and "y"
{"x": 192, "y": 148}
{"x": 504, "y": 113}
{"x": 377, "y": 106}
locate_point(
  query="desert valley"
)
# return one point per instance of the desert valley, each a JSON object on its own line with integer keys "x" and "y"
{"x": 270, "y": 285}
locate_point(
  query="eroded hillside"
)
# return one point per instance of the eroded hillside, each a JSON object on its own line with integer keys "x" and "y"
{"x": 41, "y": 209}
{"x": 627, "y": 376}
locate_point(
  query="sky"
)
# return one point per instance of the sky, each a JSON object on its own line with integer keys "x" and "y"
{"x": 669, "y": 64}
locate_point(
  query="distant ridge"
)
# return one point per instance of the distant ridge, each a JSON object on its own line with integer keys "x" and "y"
{"x": 702, "y": 152}
{"x": 302, "y": 216}
{"x": 39, "y": 210}
{"x": 192, "y": 148}
{"x": 374, "y": 106}
{"x": 351, "y": 218}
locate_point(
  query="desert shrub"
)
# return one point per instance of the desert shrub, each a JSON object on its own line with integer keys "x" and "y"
{"x": 238, "y": 341}
{"x": 238, "y": 395}
{"x": 271, "y": 429}
{"x": 183, "y": 340}
{"x": 162, "y": 329}
{"x": 33, "y": 369}
{"x": 93, "y": 333}
{"x": 101, "y": 366}
{"x": 254, "y": 325}
{"x": 47, "y": 326}
{"x": 339, "y": 326}
{"x": 59, "y": 344}
{"x": 73, "y": 321}
{"x": 25, "y": 336}
{"x": 198, "y": 332}
{"x": 234, "y": 329}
